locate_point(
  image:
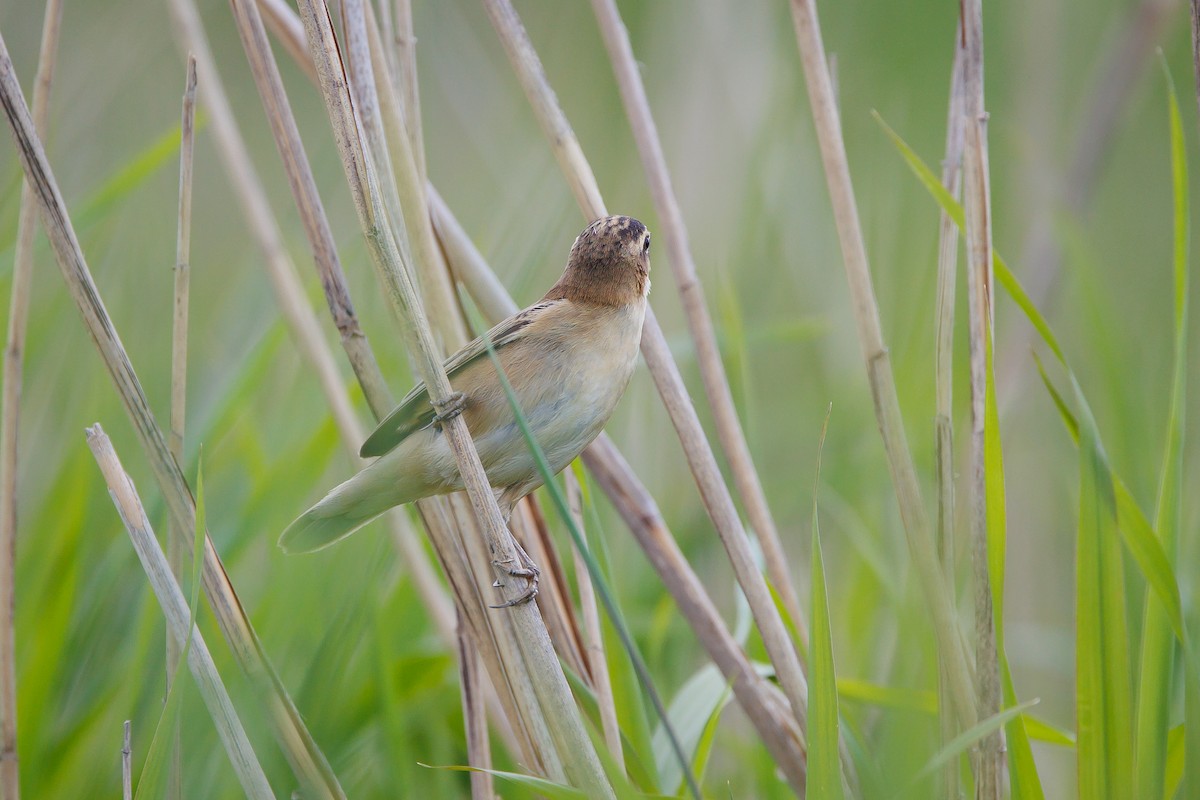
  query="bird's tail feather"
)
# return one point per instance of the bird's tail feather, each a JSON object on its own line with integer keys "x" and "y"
{"x": 343, "y": 511}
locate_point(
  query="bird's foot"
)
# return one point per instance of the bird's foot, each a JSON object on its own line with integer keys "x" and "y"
{"x": 526, "y": 571}
{"x": 449, "y": 408}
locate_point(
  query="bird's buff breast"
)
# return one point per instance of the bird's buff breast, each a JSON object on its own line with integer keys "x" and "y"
{"x": 568, "y": 386}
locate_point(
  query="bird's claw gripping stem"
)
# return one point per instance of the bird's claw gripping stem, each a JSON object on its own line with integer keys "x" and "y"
{"x": 528, "y": 571}
{"x": 449, "y": 408}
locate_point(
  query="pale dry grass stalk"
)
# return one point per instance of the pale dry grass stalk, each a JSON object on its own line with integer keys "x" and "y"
{"x": 127, "y": 762}
{"x": 713, "y": 491}
{"x": 285, "y": 722}
{"x": 921, "y": 545}
{"x": 479, "y": 751}
{"x": 289, "y": 292}
{"x": 766, "y": 709}
{"x": 179, "y": 623}
{"x": 517, "y": 708}
{"x": 569, "y": 738}
{"x": 10, "y": 412}
{"x": 944, "y": 379}
{"x": 179, "y": 331}
{"x": 989, "y": 751}
{"x": 691, "y": 296}
{"x": 405, "y": 74}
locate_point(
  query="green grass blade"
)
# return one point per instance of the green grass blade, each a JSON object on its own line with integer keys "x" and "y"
{"x": 1158, "y": 644}
{"x": 543, "y": 787}
{"x": 156, "y": 756}
{"x": 824, "y": 766}
{"x": 1103, "y": 695}
{"x": 598, "y": 581}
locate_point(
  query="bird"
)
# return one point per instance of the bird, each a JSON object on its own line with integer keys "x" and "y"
{"x": 569, "y": 358}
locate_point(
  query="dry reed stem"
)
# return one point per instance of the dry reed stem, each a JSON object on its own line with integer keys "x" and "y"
{"x": 179, "y": 623}
{"x": 179, "y": 331}
{"x": 554, "y": 594}
{"x": 944, "y": 379}
{"x": 297, "y": 744}
{"x": 391, "y": 146}
{"x": 1113, "y": 88}
{"x": 405, "y": 74}
{"x": 921, "y": 544}
{"x": 127, "y": 762}
{"x": 713, "y": 491}
{"x": 10, "y": 411}
{"x": 286, "y": 27}
{"x": 444, "y": 537}
{"x": 569, "y": 738}
{"x": 989, "y": 751}
{"x": 479, "y": 752}
{"x": 593, "y": 639}
{"x": 620, "y": 483}
{"x": 691, "y": 295}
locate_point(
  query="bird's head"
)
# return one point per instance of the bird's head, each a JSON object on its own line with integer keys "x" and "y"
{"x": 609, "y": 264}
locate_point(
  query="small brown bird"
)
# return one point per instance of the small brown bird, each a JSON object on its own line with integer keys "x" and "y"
{"x": 568, "y": 357}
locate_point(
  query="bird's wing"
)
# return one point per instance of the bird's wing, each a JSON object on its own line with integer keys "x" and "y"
{"x": 415, "y": 411}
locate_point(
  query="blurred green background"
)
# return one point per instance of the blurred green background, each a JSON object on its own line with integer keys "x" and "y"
{"x": 351, "y": 640}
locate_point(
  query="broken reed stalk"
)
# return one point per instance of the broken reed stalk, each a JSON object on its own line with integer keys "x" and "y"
{"x": 570, "y": 739}
{"x": 923, "y": 550}
{"x": 691, "y": 295}
{"x": 10, "y": 412}
{"x": 179, "y": 623}
{"x": 516, "y": 701}
{"x": 766, "y": 710}
{"x": 944, "y": 380}
{"x": 127, "y": 762}
{"x": 179, "y": 331}
{"x": 714, "y": 493}
{"x": 989, "y": 751}
{"x": 301, "y": 321}
{"x": 296, "y": 742}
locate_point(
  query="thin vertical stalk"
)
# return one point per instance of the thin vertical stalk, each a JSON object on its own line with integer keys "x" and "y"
{"x": 179, "y": 623}
{"x": 179, "y": 331}
{"x": 989, "y": 751}
{"x": 875, "y": 355}
{"x": 410, "y": 93}
{"x": 296, "y": 742}
{"x": 565, "y": 725}
{"x": 10, "y": 411}
{"x": 713, "y": 491}
{"x": 691, "y": 295}
{"x": 944, "y": 379}
{"x": 127, "y": 762}
{"x": 479, "y": 753}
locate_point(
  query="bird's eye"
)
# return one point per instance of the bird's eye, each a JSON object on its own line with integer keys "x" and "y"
{"x": 646, "y": 245}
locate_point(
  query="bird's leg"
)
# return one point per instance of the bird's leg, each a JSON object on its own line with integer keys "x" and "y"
{"x": 449, "y": 408}
{"x": 527, "y": 570}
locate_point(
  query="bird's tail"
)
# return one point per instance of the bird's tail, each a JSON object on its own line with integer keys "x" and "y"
{"x": 344, "y": 510}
